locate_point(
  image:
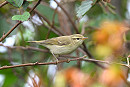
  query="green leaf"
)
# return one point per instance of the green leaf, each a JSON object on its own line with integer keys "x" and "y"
{"x": 85, "y": 6}
{"x": 23, "y": 17}
{"x": 16, "y": 3}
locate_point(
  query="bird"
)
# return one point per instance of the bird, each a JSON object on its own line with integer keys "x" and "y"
{"x": 62, "y": 45}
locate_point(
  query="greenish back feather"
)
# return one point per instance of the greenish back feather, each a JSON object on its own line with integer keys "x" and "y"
{"x": 57, "y": 41}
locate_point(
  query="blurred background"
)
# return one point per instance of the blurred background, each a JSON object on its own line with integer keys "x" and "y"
{"x": 106, "y": 23}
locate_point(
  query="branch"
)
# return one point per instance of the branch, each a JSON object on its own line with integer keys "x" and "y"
{"x": 63, "y": 56}
{"x": 5, "y": 35}
{"x": 4, "y": 3}
{"x": 76, "y": 29}
{"x": 38, "y": 2}
{"x": 98, "y": 61}
{"x": 54, "y": 29}
{"x": 106, "y": 62}
{"x": 26, "y": 48}
{"x": 36, "y": 63}
{"x": 68, "y": 60}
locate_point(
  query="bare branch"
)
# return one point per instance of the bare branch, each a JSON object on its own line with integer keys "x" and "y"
{"x": 36, "y": 63}
{"x": 38, "y": 2}
{"x": 76, "y": 29}
{"x": 26, "y": 48}
{"x": 4, "y": 3}
{"x": 4, "y": 36}
{"x": 53, "y": 28}
{"x": 68, "y": 60}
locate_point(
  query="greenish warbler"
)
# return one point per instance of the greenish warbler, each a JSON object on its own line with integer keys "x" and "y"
{"x": 63, "y": 44}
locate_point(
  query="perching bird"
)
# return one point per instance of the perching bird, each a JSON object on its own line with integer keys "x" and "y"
{"x": 63, "y": 44}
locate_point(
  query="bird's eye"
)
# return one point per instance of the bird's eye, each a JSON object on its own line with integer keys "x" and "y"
{"x": 77, "y": 38}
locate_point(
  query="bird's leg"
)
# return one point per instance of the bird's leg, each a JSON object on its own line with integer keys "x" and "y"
{"x": 55, "y": 58}
{"x": 68, "y": 60}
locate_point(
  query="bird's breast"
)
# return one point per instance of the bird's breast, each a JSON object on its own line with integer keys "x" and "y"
{"x": 61, "y": 50}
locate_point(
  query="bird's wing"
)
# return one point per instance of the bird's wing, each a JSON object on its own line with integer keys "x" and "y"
{"x": 57, "y": 41}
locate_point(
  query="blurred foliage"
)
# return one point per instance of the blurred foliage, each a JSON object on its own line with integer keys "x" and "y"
{"x": 16, "y": 3}
{"x": 47, "y": 12}
{"x": 4, "y": 25}
{"x": 109, "y": 38}
{"x": 106, "y": 28}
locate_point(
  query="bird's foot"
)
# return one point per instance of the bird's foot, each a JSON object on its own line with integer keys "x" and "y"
{"x": 68, "y": 60}
{"x": 57, "y": 61}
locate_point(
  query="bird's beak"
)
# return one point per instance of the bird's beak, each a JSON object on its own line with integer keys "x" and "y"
{"x": 84, "y": 38}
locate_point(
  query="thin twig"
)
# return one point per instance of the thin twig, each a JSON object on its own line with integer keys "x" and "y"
{"x": 53, "y": 17}
{"x": 38, "y": 2}
{"x": 4, "y": 36}
{"x": 46, "y": 4}
{"x": 57, "y": 31}
{"x": 76, "y": 29}
{"x": 54, "y": 63}
{"x": 36, "y": 63}
{"x": 26, "y": 48}
{"x": 53, "y": 22}
{"x": 62, "y": 56}
{"x": 51, "y": 29}
{"x": 4, "y": 3}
